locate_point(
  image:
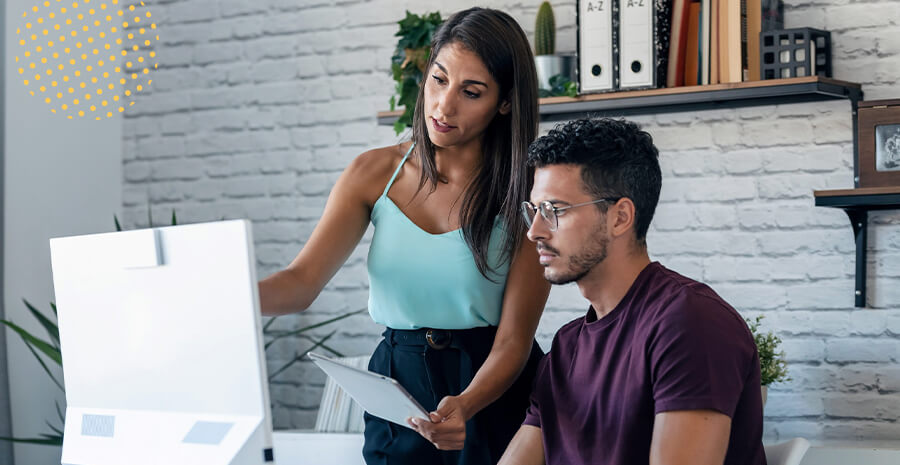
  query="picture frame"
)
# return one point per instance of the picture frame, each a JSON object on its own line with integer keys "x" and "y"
{"x": 878, "y": 154}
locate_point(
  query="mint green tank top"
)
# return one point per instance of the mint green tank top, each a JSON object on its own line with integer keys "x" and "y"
{"x": 423, "y": 280}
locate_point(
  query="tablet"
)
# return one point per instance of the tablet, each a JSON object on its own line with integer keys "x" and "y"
{"x": 379, "y": 395}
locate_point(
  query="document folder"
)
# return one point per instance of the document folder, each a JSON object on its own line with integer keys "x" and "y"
{"x": 597, "y": 46}
{"x": 637, "y": 58}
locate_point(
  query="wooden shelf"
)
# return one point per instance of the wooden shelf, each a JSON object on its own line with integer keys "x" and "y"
{"x": 857, "y": 203}
{"x": 870, "y": 198}
{"x": 690, "y": 98}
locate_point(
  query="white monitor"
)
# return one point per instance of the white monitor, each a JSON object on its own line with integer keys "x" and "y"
{"x": 162, "y": 347}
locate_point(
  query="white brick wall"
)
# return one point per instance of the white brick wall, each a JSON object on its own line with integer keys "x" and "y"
{"x": 258, "y": 106}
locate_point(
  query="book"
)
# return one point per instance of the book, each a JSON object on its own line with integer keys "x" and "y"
{"x": 714, "y": 42}
{"x": 754, "y": 28}
{"x": 678, "y": 38}
{"x": 691, "y": 62}
{"x": 704, "y": 32}
{"x": 730, "y": 63}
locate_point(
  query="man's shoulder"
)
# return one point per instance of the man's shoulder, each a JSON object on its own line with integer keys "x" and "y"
{"x": 681, "y": 298}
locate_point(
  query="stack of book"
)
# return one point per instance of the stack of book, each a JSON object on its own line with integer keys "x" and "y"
{"x": 717, "y": 41}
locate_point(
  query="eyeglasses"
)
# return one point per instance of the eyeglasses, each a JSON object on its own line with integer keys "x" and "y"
{"x": 551, "y": 213}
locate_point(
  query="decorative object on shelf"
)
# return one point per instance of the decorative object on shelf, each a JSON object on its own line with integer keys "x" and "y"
{"x": 772, "y": 14}
{"x": 799, "y": 52}
{"x": 878, "y": 155}
{"x": 409, "y": 60}
{"x": 772, "y": 366}
{"x": 549, "y": 65}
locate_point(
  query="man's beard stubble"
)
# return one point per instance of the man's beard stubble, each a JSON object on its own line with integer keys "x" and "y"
{"x": 581, "y": 263}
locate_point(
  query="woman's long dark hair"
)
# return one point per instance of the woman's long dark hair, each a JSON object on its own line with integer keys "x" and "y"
{"x": 504, "y": 179}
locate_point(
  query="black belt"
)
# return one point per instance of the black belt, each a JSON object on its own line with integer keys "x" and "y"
{"x": 437, "y": 339}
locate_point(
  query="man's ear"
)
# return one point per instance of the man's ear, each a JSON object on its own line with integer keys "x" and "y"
{"x": 621, "y": 221}
{"x": 505, "y": 108}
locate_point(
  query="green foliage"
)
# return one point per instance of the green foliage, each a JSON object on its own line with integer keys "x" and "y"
{"x": 409, "y": 60}
{"x": 560, "y": 86}
{"x": 51, "y": 350}
{"x": 545, "y": 31}
{"x": 772, "y": 365}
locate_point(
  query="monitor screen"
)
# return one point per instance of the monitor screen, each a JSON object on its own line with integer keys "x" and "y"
{"x": 162, "y": 346}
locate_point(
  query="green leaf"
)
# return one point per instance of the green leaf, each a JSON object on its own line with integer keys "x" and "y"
{"x": 62, "y": 417}
{"x": 45, "y": 367}
{"x": 49, "y": 326}
{"x": 415, "y": 33}
{"x": 399, "y": 126}
{"x": 773, "y": 367}
{"x": 118, "y": 226}
{"x": 53, "y": 307}
{"x": 174, "y": 221}
{"x": 43, "y": 346}
{"x": 57, "y": 431}
{"x": 48, "y": 440}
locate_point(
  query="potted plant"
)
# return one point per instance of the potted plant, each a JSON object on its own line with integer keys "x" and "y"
{"x": 772, "y": 366}
{"x": 408, "y": 62}
{"x": 554, "y": 72}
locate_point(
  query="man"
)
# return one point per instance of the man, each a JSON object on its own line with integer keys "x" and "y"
{"x": 660, "y": 370}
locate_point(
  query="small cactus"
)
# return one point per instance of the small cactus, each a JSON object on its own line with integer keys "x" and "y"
{"x": 545, "y": 31}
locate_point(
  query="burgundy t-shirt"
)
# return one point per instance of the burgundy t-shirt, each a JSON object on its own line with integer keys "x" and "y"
{"x": 671, "y": 344}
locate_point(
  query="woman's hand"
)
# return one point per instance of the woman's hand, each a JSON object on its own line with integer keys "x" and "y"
{"x": 447, "y": 429}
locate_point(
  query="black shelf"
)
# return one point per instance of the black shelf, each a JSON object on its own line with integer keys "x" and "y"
{"x": 693, "y": 98}
{"x": 857, "y": 203}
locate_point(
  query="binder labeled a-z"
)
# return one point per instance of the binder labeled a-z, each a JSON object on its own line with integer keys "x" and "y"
{"x": 596, "y": 46}
{"x": 637, "y": 53}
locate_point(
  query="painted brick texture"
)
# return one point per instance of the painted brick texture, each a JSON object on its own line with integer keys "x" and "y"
{"x": 258, "y": 106}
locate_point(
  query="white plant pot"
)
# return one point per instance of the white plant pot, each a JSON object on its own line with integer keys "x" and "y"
{"x": 551, "y": 65}
{"x": 765, "y": 393}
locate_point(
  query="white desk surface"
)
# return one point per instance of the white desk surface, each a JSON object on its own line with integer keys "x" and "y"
{"x": 302, "y": 447}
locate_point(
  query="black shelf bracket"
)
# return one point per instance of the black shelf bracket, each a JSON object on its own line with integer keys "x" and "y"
{"x": 859, "y": 220}
{"x": 857, "y": 203}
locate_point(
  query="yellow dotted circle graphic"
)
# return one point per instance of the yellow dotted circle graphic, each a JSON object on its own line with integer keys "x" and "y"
{"x": 114, "y": 62}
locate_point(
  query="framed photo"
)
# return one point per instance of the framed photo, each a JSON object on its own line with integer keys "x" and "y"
{"x": 879, "y": 143}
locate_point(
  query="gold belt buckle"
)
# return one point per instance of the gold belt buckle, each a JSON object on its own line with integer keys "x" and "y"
{"x": 429, "y": 337}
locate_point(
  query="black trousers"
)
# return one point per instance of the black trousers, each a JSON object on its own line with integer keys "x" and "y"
{"x": 429, "y": 372}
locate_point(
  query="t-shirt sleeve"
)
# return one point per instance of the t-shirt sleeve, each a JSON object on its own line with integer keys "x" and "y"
{"x": 700, "y": 356}
{"x": 533, "y": 414}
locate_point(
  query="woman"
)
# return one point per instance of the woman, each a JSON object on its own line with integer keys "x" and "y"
{"x": 451, "y": 277}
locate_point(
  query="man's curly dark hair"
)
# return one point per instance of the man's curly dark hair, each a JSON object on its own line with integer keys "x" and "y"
{"x": 616, "y": 157}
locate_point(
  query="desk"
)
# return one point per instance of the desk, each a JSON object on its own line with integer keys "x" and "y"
{"x": 306, "y": 447}
{"x": 302, "y": 447}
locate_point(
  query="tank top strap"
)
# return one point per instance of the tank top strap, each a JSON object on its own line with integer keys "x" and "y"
{"x": 397, "y": 171}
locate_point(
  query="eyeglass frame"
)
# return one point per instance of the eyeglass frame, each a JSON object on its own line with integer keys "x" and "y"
{"x": 532, "y": 211}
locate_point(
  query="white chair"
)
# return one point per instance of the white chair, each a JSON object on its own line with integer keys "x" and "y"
{"x": 787, "y": 453}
